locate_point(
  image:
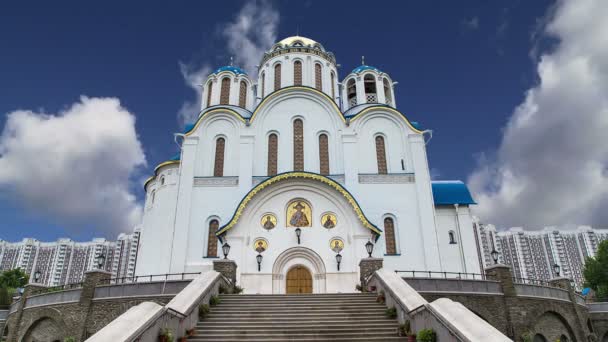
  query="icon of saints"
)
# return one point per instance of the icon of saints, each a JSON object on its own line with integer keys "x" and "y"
{"x": 337, "y": 247}
{"x": 268, "y": 224}
{"x": 298, "y": 218}
{"x": 260, "y": 247}
{"x": 329, "y": 222}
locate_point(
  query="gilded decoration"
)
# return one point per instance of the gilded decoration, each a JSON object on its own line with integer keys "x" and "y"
{"x": 336, "y": 245}
{"x": 299, "y": 214}
{"x": 268, "y": 221}
{"x": 304, "y": 175}
{"x": 328, "y": 220}
{"x": 260, "y": 245}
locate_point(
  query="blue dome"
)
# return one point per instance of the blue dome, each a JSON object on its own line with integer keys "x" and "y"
{"x": 232, "y": 69}
{"x": 363, "y": 68}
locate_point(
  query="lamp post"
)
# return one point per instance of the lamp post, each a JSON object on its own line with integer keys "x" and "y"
{"x": 259, "y": 260}
{"x": 556, "y": 269}
{"x": 37, "y": 275}
{"x": 494, "y": 254}
{"x": 225, "y": 249}
{"x": 338, "y": 260}
{"x": 369, "y": 246}
{"x": 101, "y": 259}
{"x": 298, "y": 233}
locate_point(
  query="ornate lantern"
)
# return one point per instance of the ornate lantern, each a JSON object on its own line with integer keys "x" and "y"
{"x": 259, "y": 260}
{"x": 556, "y": 269}
{"x": 494, "y": 254}
{"x": 369, "y": 246}
{"x": 338, "y": 260}
{"x": 226, "y": 249}
{"x": 298, "y": 233}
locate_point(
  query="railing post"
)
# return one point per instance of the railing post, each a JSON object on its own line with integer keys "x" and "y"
{"x": 367, "y": 267}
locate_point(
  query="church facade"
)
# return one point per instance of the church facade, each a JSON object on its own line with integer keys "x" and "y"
{"x": 297, "y": 171}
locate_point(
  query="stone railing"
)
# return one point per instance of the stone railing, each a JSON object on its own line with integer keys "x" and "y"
{"x": 453, "y": 285}
{"x": 598, "y": 307}
{"x": 14, "y": 306}
{"x": 57, "y": 297}
{"x": 141, "y": 289}
{"x": 541, "y": 291}
{"x": 145, "y": 321}
{"x": 3, "y": 314}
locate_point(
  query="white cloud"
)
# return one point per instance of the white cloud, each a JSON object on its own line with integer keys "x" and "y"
{"x": 74, "y": 166}
{"x": 551, "y": 166}
{"x": 251, "y": 32}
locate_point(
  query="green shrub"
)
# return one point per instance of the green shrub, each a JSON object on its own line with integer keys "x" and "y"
{"x": 426, "y": 335}
{"x": 203, "y": 311}
{"x": 391, "y": 312}
{"x": 237, "y": 289}
{"x": 223, "y": 289}
{"x": 166, "y": 335}
{"x": 5, "y": 298}
{"x": 214, "y": 300}
{"x": 526, "y": 337}
{"x": 69, "y": 339}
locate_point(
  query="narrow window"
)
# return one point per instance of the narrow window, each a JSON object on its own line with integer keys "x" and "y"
{"x": 351, "y": 93}
{"x": 152, "y": 196}
{"x": 243, "y": 94}
{"x": 381, "y": 155}
{"x": 298, "y": 145}
{"x": 218, "y": 169}
{"x": 369, "y": 84}
{"x": 212, "y": 239}
{"x": 333, "y": 85}
{"x": 209, "y": 89}
{"x": 162, "y": 180}
{"x": 323, "y": 154}
{"x": 277, "y": 76}
{"x": 387, "y": 92}
{"x": 452, "y": 238}
{"x": 389, "y": 235}
{"x": 297, "y": 73}
{"x": 318, "y": 77}
{"x": 225, "y": 91}
{"x": 273, "y": 146}
{"x": 263, "y": 78}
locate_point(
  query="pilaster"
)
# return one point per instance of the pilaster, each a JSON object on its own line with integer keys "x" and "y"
{"x": 14, "y": 324}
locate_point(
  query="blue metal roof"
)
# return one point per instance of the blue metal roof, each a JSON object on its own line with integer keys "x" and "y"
{"x": 188, "y": 128}
{"x": 176, "y": 157}
{"x": 363, "y": 68}
{"x": 230, "y": 68}
{"x": 451, "y": 192}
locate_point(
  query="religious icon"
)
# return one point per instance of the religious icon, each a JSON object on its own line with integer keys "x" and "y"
{"x": 329, "y": 220}
{"x": 260, "y": 245}
{"x": 336, "y": 245}
{"x": 269, "y": 221}
{"x": 298, "y": 214}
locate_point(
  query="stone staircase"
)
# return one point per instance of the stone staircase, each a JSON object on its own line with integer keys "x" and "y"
{"x": 316, "y": 317}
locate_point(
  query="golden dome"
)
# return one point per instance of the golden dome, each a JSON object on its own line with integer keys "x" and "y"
{"x": 289, "y": 41}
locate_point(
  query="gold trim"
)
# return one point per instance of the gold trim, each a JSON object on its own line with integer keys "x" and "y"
{"x": 198, "y": 121}
{"x": 168, "y": 162}
{"x": 353, "y": 118}
{"x": 306, "y": 175}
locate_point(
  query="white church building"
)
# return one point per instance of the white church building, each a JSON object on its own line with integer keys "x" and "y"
{"x": 296, "y": 171}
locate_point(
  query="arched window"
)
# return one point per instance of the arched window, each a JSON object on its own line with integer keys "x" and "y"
{"x": 243, "y": 94}
{"x": 212, "y": 239}
{"x": 333, "y": 85}
{"x": 389, "y": 235}
{"x": 323, "y": 154}
{"x": 209, "y": 89}
{"x": 262, "y": 84}
{"x": 218, "y": 169}
{"x": 152, "y": 196}
{"x": 277, "y": 76}
{"x": 387, "y": 92}
{"x": 381, "y": 155}
{"x": 369, "y": 83}
{"x": 351, "y": 92}
{"x": 452, "y": 237}
{"x": 273, "y": 147}
{"x": 162, "y": 180}
{"x": 298, "y": 145}
{"x": 297, "y": 73}
{"x": 318, "y": 77}
{"x": 225, "y": 91}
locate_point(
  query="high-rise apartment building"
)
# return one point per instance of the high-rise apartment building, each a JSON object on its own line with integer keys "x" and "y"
{"x": 532, "y": 254}
{"x": 65, "y": 261}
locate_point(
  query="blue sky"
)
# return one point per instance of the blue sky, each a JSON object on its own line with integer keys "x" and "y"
{"x": 463, "y": 68}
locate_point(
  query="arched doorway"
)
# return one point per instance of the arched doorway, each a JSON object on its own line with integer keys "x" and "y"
{"x": 299, "y": 280}
{"x": 292, "y": 258}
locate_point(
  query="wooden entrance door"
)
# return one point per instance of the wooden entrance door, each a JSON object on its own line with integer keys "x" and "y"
{"x": 299, "y": 280}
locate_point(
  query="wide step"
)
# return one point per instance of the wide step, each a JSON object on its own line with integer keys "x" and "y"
{"x": 317, "y": 317}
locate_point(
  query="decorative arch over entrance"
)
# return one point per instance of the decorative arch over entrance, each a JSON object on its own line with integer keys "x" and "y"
{"x": 298, "y": 257}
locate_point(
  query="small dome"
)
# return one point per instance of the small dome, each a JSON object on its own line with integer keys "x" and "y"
{"x": 230, "y": 68}
{"x": 294, "y": 39}
{"x": 362, "y": 68}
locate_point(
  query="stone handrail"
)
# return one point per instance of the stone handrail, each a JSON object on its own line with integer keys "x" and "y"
{"x": 3, "y": 314}
{"x": 154, "y": 288}
{"x": 598, "y": 307}
{"x": 450, "y": 320}
{"x": 145, "y": 321}
{"x": 541, "y": 291}
{"x": 454, "y": 285}
{"x": 14, "y": 306}
{"x": 66, "y": 296}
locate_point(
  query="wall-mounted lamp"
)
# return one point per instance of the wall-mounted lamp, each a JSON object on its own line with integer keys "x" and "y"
{"x": 259, "y": 260}
{"x": 338, "y": 260}
{"x": 298, "y": 233}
